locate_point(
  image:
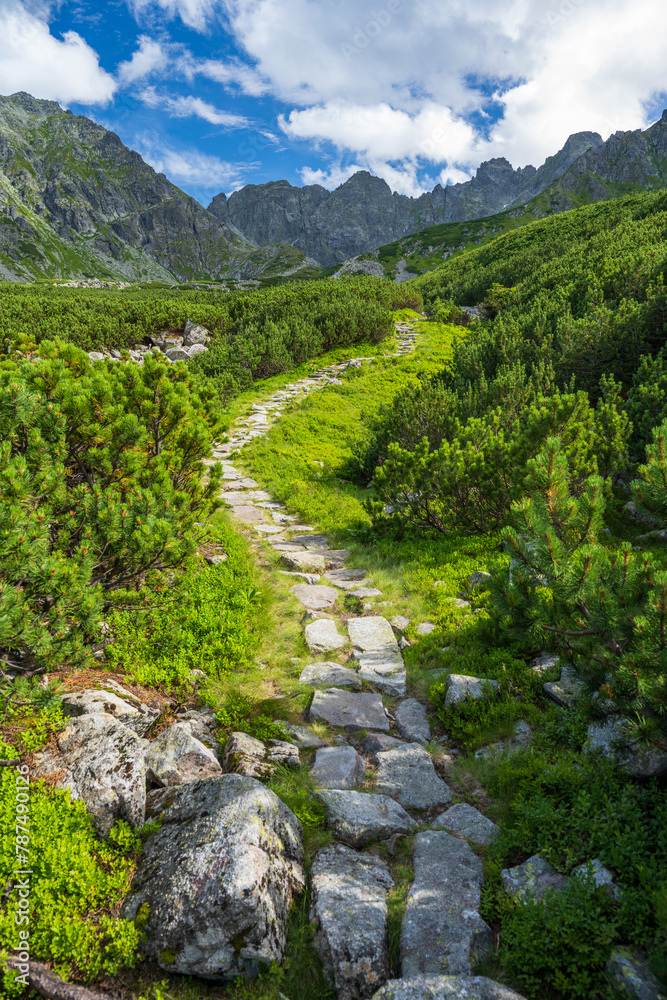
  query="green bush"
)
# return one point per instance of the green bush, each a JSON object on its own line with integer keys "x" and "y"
{"x": 76, "y": 884}
{"x": 101, "y": 472}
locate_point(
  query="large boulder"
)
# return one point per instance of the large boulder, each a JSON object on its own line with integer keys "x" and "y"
{"x": 329, "y": 674}
{"x": 611, "y": 738}
{"x": 214, "y": 885}
{"x": 442, "y": 928}
{"x": 445, "y": 988}
{"x": 349, "y": 911}
{"x": 101, "y": 762}
{"x": 358, "y": 818}
{"x": 126, "y": 708}
{"x": 177, "y": 757}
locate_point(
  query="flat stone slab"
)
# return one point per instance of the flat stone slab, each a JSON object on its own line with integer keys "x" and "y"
{"x": 338, "y": 767}
{"x": 445, "y": 988}
{"x": 268, "y": 529}
{"x": 412, "y": 722}
{"x": 566, "y": 690}
{"x": 311, "y": 578}
{"x": 345, "y": 575}
{"x": 442, "y": 929}
{"x": 461, "y": 687}
{"x": 301, "y": 736}
{"x": 312, "y": 541}
{"x": 364, "y": 592}
{"x": 408, "y": 775}
{"x": 323, "y": 636}
{"x": 235, "y": 497}
{"x": 281, "y": 545}
{"x": 241, "y": 483}
{"x": 358, "y": 818}
{"x": 329, "y": 675}
{"x": 305, "y": 561}
{"x": 247, "y": 514}
{"x": 369, "y": 634}
{"x": 349, "y": 585}
{"x": 399, "y": 623}
{"x": 533, "y": 878}
{"x": 352, "y": 711}
{"x": 314, "y": 597}
{"x": 465, "y": 821}
{"x": 425, "y": 628}
{"x": 349, "y": 911}
{"x": 385, "y": 669}
{"x": 375, "y": 743}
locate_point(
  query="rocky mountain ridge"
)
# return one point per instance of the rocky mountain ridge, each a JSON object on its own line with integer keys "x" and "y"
{"x": 76, "y": 202}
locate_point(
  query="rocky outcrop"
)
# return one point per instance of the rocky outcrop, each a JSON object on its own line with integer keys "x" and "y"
{"x": 177, "y": 757}
{"x": 243, "y": 754}
{"x": 445, "y": 988}
{"x": 214, "y": 885}
{"x": 126, "y": 709}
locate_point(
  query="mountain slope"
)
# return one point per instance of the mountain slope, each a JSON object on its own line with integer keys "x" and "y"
{"x": 76, "y": 202}
{"x": 363, "y": 213}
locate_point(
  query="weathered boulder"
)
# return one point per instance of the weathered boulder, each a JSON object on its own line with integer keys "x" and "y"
{"x": 363, "y": 593}
{"x": 425, "y": 628}
{"x": 442, "y": 928}
{"x": 461, "y": 686}
{"x": 412, "y": 722}
{"x": 352, "y": 576}
{"x": 610, "y": 737}
{"x": 127, "y": 709}
{"x": 196, "y": 349}
{"x": 545, "y": 661}
{"x": 408, "y": 775}
{"x": 194, "y": 334}
{"x": 384, "y": 668}
{"x": 322, "y": 636}
{"x": 357, "y": 818}
{"x": 177, "y": 757}
{"x": 313, "y": 541}
{"x": 314, "y": 597}
{"x": 243, "y": 754}
{"x": 101, "y": 762}
{"x": 478, "y": 580}
{"x": 566, "y": 690}
{"x": 600, "y": 876}
{"x": 465, "y": 821}
{"x": 330, "y": 674}
{"x": 177, "y": 354}
{"x": 370, "y": 634}
{"x": 533, "y": 878}
{"x": 350, "y": 710}
{"x": 349, "y": 910}
{"x": 338, "y": 767}
{"x": 445, "y": 988}
{"x": 214, "y": 885}
{"x": 375, "y": 743}
{"x": 301, "y": 736}
{"x": 399, "y": 623}
{"x": 631, "y": 975}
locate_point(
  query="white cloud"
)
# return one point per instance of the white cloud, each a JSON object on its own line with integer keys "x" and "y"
{"x": 195, "y": 13}
{"x": 330, "y": 179}
{"x": 151, "y": 57}
{"x": 190, "y": 106}
{"x": 32, "y": 59}
{"x": 189, "y": 167}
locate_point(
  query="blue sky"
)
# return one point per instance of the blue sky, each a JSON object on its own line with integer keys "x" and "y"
{"x": 221, "y": 93}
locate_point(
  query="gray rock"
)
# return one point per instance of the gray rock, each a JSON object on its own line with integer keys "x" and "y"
{"x": 243, "y": 754}
{"x": 545, "y": 661}
{"x": 128, "y": 710}
{"x": 217, "y": 879}
{"x": 357, "y": 818}
{"x": 338, "y": 767}
{"x": 523, "y": 735}
{"x": 408, "y": 775}
{"x": 412, "y": 722}
{"x": 349, "y": 585}
{"x": 307, "y": 562}
{"x": 301, "y": 736}
{"x": 442, "y": 928}
{"x": 217, "y": 560}
{"x": 445, "y": 988}
{"x": 345, "y": 575}
{"x": 565, "y": 691}
{"x": 461, "y": 686}
{"x": 95, "y": 356}
{"x": 364, "y": 592}
{"x": 349, "y": 911}
{"x": 322, "y": 636}
{"x": 399, "y": 623}
{"x": 611, "y": 739}
{"x": 425, "y": 628}
{"x": 316, "y": 616}
{"x": 196, "y": 349}
{"x": 630, "y": 973}
{"x": 101, "y": 762}
{"x": 316, "y": 598}
{"x": 600, "y": 875}
{"x": 177, "y": 354}
{"x": 311, "y": 578}
{"x": 478, "y": 580}
{"x": 349, "y": 710}
{"x": 465, "y": 821}
{"x": 329, "y": 674}
{"x": 371, "y": 634}
{"x": 177, "y": 757}
{"x": 194, "y": 334}
{"x": 375, "y": 743}
{"x": 312, "y": 541}
{"x": 384, "y": 668}
{"x": 533, "y": 878}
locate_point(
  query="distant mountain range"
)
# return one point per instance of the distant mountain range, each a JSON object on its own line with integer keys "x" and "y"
{"x": 75, "y": 202}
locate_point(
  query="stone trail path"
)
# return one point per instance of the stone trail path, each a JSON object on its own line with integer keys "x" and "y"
{"x": 442, "y": 928}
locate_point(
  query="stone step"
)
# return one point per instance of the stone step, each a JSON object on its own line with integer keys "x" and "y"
{"x": 347, "y": 710}
{"x": 357, "y": 818}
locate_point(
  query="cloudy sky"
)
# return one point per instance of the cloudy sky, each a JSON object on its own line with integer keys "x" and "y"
{"x": 221, "y": 93}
